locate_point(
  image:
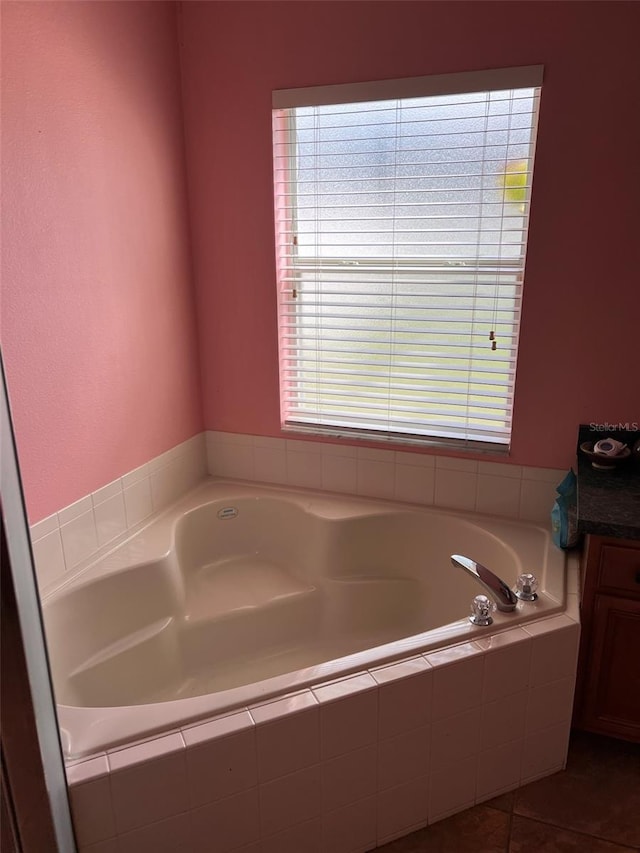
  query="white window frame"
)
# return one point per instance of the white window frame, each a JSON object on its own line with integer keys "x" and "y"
{"x": 463, "y": 83}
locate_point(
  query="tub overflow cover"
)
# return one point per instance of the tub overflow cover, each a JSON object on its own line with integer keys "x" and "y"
{"x": 227, "y": 512}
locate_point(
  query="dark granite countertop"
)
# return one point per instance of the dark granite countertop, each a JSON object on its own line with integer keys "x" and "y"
{"x": 608, "y": 501}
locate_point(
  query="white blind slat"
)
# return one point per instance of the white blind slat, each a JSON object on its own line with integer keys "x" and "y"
{"x": 405, "y": 382}
{"x": 302, "y": 367}
{"x": 441, "y": 342}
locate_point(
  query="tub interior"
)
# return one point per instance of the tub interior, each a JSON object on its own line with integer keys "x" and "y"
{"x": 270, "y": 588}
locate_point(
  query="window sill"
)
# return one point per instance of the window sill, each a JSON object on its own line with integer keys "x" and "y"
{"x": 354, "y": 436}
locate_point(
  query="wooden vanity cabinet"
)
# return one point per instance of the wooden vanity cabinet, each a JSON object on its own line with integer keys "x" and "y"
{"x": 608, "y": 688}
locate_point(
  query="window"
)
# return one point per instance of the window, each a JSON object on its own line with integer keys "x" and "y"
{"x": 401, "y": 228}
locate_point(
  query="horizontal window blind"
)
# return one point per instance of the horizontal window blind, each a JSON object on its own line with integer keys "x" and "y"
{"x": 401, "y": 228}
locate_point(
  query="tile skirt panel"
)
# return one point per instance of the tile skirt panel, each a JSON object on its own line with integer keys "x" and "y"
{"x": 219, "y": 788}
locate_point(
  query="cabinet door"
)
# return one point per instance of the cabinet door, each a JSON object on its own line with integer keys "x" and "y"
{"x": 612, "y": 690}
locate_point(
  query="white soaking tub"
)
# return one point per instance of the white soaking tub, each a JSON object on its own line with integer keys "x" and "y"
{"x": 239, "y": 593}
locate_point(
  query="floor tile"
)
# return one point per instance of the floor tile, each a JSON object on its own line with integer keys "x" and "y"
{"x": 591, "y": 807}
{"x": 477, "y": 830}
{"x": 598, "y": 846}
{"x": 597, "y": 795}
{"x": 531, "y": 836}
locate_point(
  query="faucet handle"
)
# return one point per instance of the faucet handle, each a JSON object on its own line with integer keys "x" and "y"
{"x": 481, "y": 609}
{"x": 526, "y": 587}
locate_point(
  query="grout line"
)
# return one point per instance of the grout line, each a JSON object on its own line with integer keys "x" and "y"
{"x": 510, "y": 826}
{"x": 584, "y": 835}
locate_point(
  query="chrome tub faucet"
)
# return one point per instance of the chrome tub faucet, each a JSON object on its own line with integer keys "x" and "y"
{"x": 504, "y": 598}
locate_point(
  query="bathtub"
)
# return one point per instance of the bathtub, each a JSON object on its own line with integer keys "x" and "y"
{"x": 240, "y": 593}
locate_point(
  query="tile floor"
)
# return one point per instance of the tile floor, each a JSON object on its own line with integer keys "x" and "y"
{"x": 591, "y": 807}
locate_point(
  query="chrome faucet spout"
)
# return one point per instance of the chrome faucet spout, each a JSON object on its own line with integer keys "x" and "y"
{"x": 504, "y": 597}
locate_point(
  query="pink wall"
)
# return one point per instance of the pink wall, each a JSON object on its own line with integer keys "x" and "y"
{"x": 578, "y": 356}
{"x": 98, "y": 325}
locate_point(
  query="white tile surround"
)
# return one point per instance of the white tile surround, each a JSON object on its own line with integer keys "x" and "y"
{"x": 65, "y": 540}
{"x": 62, "y": 542}
{"x": 492, "y": 488}
{"x": 346, "y": 766}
